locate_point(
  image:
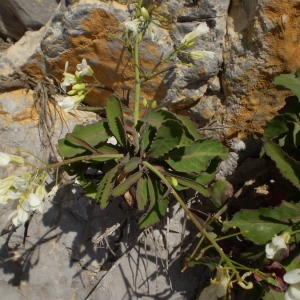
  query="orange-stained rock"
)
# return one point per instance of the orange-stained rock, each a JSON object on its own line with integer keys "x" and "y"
{"x": 261, "y": 44}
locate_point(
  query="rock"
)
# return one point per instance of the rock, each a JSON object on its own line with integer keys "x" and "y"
{"x": 261, "y": 43}
{"x": 85, "y": 31}
{"x": 19, "y": 16}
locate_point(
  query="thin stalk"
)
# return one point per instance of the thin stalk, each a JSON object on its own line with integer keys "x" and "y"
{"x": 137, "y": 79}
{"x": 192, "y": 217}
{"x": 79, "y": 158}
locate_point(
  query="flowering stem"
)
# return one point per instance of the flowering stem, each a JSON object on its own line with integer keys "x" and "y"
{"x": 137, "y": 79}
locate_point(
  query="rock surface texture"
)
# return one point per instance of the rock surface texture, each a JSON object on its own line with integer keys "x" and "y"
{"x": 229, "y": 95}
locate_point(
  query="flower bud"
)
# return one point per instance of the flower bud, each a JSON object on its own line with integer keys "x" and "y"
{"x": 78, "y": 86}
{"x": 154, "y": 104}
{"x": 174, "y": 181}
{"x": 145, "y": 102}
{"x": 145, "y": 13}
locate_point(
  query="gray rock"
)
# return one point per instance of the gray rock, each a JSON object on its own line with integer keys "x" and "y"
{"x": 19, "y": 16}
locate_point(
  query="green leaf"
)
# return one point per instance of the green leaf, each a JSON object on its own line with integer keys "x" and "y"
{"x": 190, "y": 183}
{"x": 157, "y": 117}
{"x": 142, "y": 193}
{"x": 220, "y": 192}
{"x": 190, "y": 130}
{"x": 79, "y": 142}
{"x": 167, "y": 138}
{"x": 147, "y": 133}
{"x": 287, "y": 166}
{"x": 196, "y": 158}
{"x": 273, "y": 295}
{"x": 132, "y": 164}
{"x": 115, "y": 120}
{"x": 126, "y": 184}
{"x": 279, "y": 125}
{"x": 289, "y": 81}
{"x": 105, "y": 187}
{"x": 210, "y": 173}
{"x": 91, "y": 134}
{"x": 157, "y": 193}
{"x": 262, "y": 224}
{"x": 156, "y": 213}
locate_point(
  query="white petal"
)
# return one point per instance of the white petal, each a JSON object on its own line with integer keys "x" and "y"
{"x": 292, "y": 277}
{"x": 66, "y": 103}
{"x": 4, "y": 159}
{"x": 198, "y": 31}
{"x": 293, "y": 292}
{"x": 275, "y": 247}
{"x": 34, "y": 201}
{"x": 23, "y": 215}
{"x": 14, "y": 194}
{"x": 209, "y": 293}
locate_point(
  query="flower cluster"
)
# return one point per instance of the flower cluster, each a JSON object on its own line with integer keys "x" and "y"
{"x": 141, "y": 23}
{"x": 189, "y": 40}
{"x": 25, "y": 193}
{"x": 76, "y": 95}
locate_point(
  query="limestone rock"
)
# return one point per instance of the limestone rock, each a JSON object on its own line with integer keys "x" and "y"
{"x": 19, "y": 16}
{"x": 262, "y": 42}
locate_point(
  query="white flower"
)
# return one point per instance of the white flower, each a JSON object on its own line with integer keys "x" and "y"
{"x": 69, "y": 78}
{"x": 112, "y": 140}
{"x": 293, "y": 279}
{"x": 152, "y": 32}
{"x": 21, "y": 183}
{"x": 132, "y": 25}
{"x": 189, "y": 38}
{"x": 218, "y": 286}
{"x": 84, "y": 69}
{"x": 202, "y": 54}
{"x": 19, "y": 216}
{"x": 4, "y": 159}
{"x": 277, "y": 247}
{"x": 68, "y": 103}
{"x": 6, "y": 184}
